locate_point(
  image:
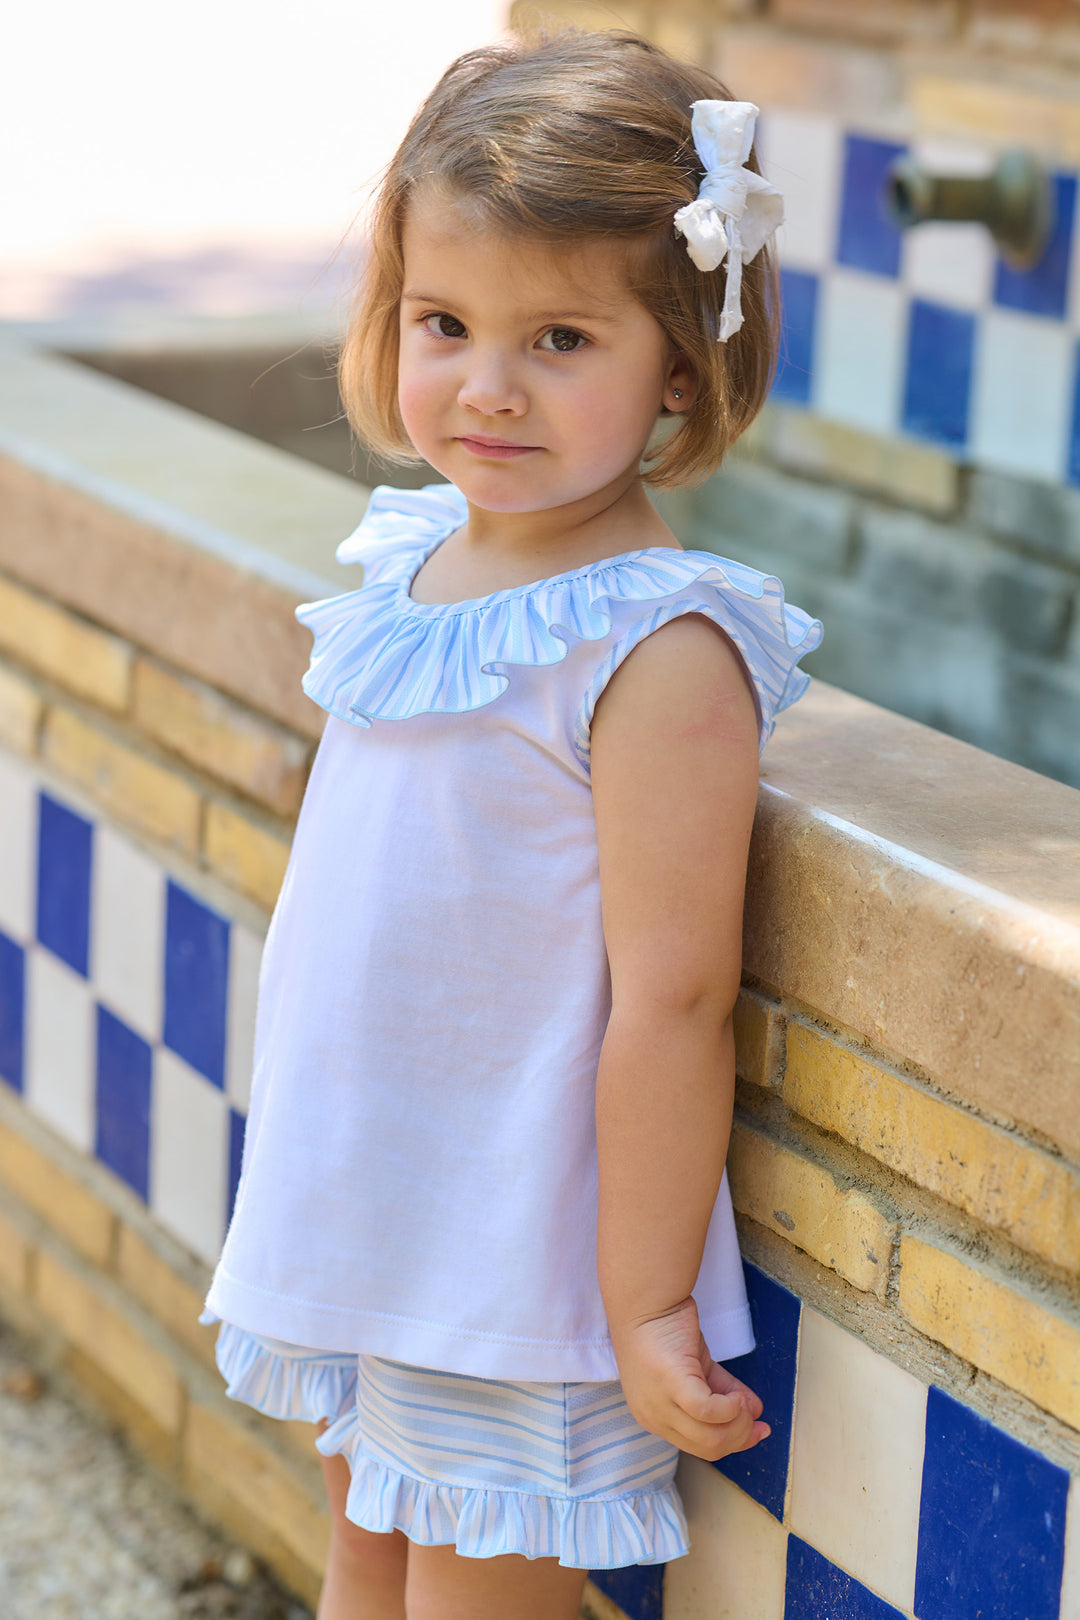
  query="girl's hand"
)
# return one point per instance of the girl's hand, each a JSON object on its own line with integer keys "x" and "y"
{"x": 677, "y": 1391}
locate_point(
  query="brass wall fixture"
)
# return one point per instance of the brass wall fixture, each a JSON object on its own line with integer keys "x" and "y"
{"x": 1015, "y": 201}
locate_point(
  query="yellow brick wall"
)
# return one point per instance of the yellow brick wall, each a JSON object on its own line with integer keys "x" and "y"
{"x": 191, "y": 770}
{"x": 957, "y": 1225}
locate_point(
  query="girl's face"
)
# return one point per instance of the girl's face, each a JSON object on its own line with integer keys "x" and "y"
{"x": 530, "y": 377}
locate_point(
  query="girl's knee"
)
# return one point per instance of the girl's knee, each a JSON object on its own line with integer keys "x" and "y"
{"x": 370, "y": 1549}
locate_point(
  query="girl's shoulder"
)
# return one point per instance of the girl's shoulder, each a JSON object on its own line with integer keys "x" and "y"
{"x": 380, "y": 655}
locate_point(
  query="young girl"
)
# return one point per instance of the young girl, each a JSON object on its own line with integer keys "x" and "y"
{"x": 482, "y": 1235}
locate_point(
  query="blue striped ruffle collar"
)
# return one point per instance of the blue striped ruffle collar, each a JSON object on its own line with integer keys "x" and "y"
{"x": 378, "y": 655}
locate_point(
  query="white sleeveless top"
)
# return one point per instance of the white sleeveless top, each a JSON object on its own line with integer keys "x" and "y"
{"x": 419, "y": 1176}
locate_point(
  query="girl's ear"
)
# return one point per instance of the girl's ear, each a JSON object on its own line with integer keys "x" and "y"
{"x": 680, "y": 385}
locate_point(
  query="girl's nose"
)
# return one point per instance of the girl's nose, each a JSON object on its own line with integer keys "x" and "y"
{"x": 491, "y": 389}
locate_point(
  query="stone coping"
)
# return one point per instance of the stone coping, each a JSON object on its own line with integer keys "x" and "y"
{"x": 909, "y": 887}
{"x": 925, "y": 895}
{"x": 169, "y": 467}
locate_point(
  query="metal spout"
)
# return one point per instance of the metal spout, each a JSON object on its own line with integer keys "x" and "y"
{"x": 1015, "y": 202}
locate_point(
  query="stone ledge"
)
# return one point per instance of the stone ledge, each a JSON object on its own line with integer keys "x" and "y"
{"x": 879, "y": 842}
{"x": 193, "y": 541}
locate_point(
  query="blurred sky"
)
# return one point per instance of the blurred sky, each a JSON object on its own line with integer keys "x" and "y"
{"x": 217, "y": 132}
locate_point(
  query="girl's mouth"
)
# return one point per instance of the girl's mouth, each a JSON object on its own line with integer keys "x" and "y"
{"x": 499, "y": 448}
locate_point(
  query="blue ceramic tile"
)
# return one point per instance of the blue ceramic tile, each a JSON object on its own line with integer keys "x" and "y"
{"x": 639, "y": 1590}
{"x": 769, "y": 1370}
{"x": 1044, "y": 289}
{"x": 12, "y": 1011}
{"x": 65, "y": 844}
{"x": 937, "y": 394}
{"x": 818, "y": 1590}
{"x": 196, "y": 982}
{"x": 237, "y": 1123}
{"x": 123, "y": 1101}
{"x": 991, "y": 1522}
{"x": 1074, "y": 429}
{"x": 868, "y": 239}
{"x": 794, "y": 373}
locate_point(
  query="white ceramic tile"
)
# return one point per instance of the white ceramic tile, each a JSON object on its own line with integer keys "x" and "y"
{"x": 859, "y": 363}
{"x": 189, "y": 1144}
{"x": 857, "y": 1457}
{"x": 949, "y": 264}
{"x": 18, "y": 848}
{"x": 802, "y": 155}
{"x": 128, "y": 932}
{"x": 735, "y": 1568}
{"x": 1070, "y": 1579}
{"x": 1072, "y": 291}
{"x": 245, "y": 957}
{"x": 61, "y": 1037}
{"x": 1021, "y": 394}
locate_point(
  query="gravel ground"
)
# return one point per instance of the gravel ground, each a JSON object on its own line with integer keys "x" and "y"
{"x": 87, "y": 1532}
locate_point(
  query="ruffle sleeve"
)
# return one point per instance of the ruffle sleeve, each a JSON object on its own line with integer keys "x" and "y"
{"x": 378, "y": 655}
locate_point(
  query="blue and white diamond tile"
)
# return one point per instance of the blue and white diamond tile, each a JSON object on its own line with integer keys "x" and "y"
{"x": 196, "y": 982}
{"x": 801, "y": 154}
{"x": 867, "y": 238}
{"x": 857, "y": 1458}
{"x": 902, "y": 1504}
{"x": 63, "y": 883}
{"x": 817, "y": 1589}
{"x": 18, "y": 847}
{"x": 1044, "y": 289}
{"x": 859, "y": 349}
{"x": 795, "y": 369}
{"x": 1023, "y": 394}
{"x": 60, "y": 1048}
{"x": 237, "y": 1128}
{"x": 12, "y": 1011}
{"x": 927, "y": 332}
{"x": 128, "y": 931}
{"x": 124, "y": 1065}
{"x": 189, "y": 1154}
{"x": 1070, "y": 1574}
{"x": 770, "y": 1370}
{"x": 991, "y": 1521}
{"x": 245, "y": 958}
{"x": 735, "y": 1567}
{"x": 638, "y": 1591}
{"x": 127, "y": 1007}
{"x": 937, "y": 387}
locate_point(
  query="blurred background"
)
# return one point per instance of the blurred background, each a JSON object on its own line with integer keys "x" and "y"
{"x": 208, "y": 159}
{"x": 182, "y": 217}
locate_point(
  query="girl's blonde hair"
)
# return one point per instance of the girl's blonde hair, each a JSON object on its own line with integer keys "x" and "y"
{"x": 572, "y": 137}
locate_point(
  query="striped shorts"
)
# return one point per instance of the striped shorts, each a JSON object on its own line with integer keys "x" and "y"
{"x": 547, "y": 1470}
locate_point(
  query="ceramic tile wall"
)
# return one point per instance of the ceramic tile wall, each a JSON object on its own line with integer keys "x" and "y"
{"x": 126, "y": 1008}
{"x": 126, "y": 1014}
{"x": 925, "y": 332}
{"x": 874, "y": 1498}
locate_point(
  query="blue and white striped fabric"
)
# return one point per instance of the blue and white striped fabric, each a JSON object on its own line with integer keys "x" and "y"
{"x": 380, "y": 655}
{"x": 548, "y": 1470}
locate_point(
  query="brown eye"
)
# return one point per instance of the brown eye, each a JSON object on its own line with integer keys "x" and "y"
{"x": 563, "y": 339}
{"x": 447, "y": 326}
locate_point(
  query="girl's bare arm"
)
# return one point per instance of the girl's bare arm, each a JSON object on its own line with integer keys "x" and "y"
{"x": 674, "y": 771}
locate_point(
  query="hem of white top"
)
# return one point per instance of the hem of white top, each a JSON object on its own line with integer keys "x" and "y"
{"x": 444, "y": 1347}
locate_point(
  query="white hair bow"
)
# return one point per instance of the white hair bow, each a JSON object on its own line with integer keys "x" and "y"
{"x": 735, "y": 211}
